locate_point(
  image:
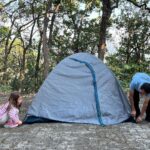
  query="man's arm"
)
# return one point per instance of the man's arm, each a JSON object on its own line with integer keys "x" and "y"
{"x": 133, "y": 111}
{"x": 144, "y": 107}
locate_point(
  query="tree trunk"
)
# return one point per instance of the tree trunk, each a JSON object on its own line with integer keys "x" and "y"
{"x": 106, "y": 13}
{"x": 37, "y": 64}
{"x": 5, "y": 68}
{"x": 45, "y": 43}
{"x": 128, "y": 51}
{"x": 51, "y": 30}
{"x": 8, "y": 47}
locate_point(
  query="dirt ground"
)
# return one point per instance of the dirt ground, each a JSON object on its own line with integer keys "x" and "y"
{"x": 66, "y": 136}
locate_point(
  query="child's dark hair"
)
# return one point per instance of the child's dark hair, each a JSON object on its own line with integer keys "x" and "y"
{"x": 13, "y": 99}
{"x": 146, "y": 87}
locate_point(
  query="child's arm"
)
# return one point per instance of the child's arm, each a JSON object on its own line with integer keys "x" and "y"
{"x": 4, "y": 107}
{"x": 144, "y": 107}
{"x": 13, "y": 114}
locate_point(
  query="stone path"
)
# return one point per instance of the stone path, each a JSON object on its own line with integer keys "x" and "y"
{"x": 58, "y": 136}
{"x": 63, "y": 136}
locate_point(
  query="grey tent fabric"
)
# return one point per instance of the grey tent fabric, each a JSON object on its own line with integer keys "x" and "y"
{"x": 81, "y": 89}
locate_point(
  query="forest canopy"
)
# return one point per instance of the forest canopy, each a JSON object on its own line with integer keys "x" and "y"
{"x": 35, "y": 35}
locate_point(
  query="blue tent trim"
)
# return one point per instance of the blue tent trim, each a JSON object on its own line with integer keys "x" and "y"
{"x": 34, "y": 119}
{"x": 95, "y": 89}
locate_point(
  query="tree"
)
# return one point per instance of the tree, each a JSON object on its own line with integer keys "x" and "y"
{"x": 107, "y": 8}
{"x": 48, "y": 31}
{"x": 134, "y": 48}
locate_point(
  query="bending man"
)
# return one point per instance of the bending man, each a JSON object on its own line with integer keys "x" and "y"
{"x": 140, "y": 84}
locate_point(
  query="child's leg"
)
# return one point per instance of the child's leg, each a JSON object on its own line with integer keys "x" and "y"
{"x": 4, "y": 119}
{"x": 136, "y": 99}
{"x": 148, "y": 112}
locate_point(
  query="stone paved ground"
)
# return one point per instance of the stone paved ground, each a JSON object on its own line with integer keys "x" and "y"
{"x": 63, "y": 136}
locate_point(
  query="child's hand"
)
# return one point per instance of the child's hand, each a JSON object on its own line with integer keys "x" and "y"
{"x": 139, "y": 119}
{"x": 19, "y": 122}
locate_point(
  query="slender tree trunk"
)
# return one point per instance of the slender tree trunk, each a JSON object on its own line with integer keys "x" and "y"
{"x": 8, "y": 47}
{"x": 5, "y": 68}
{"x": 22, "y": 69}
{"x": 128, "y": 53}
{"x": 45, "y": 48}
{"x": 37, "y": 64}
{"x": 45, "y": 43}
{"x": 106, "y": 13}
{"x": 51, "y": 30}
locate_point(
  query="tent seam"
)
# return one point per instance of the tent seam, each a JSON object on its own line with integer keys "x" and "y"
{"x": 95, "y": 89}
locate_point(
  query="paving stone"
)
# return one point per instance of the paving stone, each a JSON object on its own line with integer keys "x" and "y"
{"x": 67, "y": 136}
{"x": 61, "y": 136}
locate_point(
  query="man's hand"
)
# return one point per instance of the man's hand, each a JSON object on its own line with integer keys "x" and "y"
{"x": 139, "y": 119}
{"x": 133, "y": 113}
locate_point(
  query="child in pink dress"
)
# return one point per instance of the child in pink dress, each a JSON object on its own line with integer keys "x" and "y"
{"x": 9, "y": 112}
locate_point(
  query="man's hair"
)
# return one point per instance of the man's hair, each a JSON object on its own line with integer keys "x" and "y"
{"x": 146, "y": 87}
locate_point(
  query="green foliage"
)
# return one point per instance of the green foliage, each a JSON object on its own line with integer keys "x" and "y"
{"x": 1, "y": 6}
{"x": 3, "y": 31}
{"x": 70, "y": 30}
{"x": 5, "y": 88}
{"x": 131, "y": 56}
{"x": 123, "y": 71}
{"x": 79, "y": 33}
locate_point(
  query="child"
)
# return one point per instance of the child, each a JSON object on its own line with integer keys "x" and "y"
{"x": 9, "y": 111}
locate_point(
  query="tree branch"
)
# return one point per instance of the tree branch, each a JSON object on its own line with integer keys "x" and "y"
{"x": 140, "y": 5}
{"x": 9, "y": 3}
{"x": 116, "y": 6}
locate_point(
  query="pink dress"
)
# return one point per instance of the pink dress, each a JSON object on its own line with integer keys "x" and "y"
{"x": 3, "y": 109}
{"x": 13, "y": 115}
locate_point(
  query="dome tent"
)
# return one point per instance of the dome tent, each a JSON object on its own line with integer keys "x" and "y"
{"x": 80, "y": 89}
